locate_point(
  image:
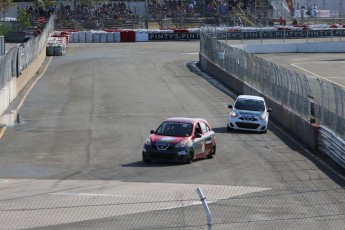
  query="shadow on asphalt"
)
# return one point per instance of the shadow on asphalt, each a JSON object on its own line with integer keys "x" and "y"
{"x": 223, "y": 130}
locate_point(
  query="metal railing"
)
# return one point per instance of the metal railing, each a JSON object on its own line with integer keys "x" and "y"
{"x": 19, "y": 57}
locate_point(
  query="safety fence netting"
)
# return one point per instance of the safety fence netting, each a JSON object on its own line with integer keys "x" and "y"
{"x": 230, "y": 207}
{"x": 309, "y": 97}
{"x": 16, "y": 59}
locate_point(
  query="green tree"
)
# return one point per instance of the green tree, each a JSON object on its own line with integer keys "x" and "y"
{"x": 45, "y": 3}
{"x": 23, "y": 19}
{"x": 5, "y": 6}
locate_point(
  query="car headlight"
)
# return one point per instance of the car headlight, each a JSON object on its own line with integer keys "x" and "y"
{"x": 148, "y": 141}
{"x": 263, "y": 116}
{"x": 181, "y": 144}
{"x": 233, "y": 114}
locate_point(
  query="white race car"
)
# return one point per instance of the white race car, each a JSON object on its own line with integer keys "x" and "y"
{"x": 249, "y": 113}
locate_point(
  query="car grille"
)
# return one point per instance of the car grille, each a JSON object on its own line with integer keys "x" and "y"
{"x": 248, "y": 119}
{"x": 244, "y": 125}
{"x": 163, "y": 146}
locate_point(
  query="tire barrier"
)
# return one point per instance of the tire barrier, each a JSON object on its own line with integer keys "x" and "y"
{"x": 56, "y": 46}
{"x": 140, "y": 35}
{"x": 145, "y": 35}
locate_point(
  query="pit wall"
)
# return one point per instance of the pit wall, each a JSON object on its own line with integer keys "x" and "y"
{"x": 300, "y": 127}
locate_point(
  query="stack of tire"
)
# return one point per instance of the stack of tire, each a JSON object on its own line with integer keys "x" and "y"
{"x": 56, "y": 46}
{"x": 127, "y": 36}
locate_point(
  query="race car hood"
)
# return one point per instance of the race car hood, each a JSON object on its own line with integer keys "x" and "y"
{"x": 249, "y": 112}
{"x": 169, "y": 139}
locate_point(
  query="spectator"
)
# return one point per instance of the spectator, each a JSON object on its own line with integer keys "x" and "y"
{"x": 282, "y": 21}
{"x": 314, "y": 10}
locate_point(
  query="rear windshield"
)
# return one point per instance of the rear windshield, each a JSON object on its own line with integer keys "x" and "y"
{"x": 250, "y": 104}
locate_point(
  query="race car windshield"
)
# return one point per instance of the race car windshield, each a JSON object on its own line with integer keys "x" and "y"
{"x": 250, "y": 104}
{"x": 176, "y": 129}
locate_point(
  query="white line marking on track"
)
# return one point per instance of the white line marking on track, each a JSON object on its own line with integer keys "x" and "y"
{"x": 326, "y": 79}
{"x": 87, "y": 194}
{"x": 3, "y": 182}
{"x": 2, "y": 131}
{"x": 295, "y": 65}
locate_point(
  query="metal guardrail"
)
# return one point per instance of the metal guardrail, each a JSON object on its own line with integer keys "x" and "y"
{"x": 332, "y": 145}
{"x": 19, "y": 57}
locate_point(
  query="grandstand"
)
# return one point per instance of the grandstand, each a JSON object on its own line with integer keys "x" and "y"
{"x": 188, "y": 13}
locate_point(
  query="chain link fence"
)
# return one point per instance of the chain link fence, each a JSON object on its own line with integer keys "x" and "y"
{"x": 310, "y": 98}
{"x": 329, "y": 101}
{"x": 19, "y": 57}
{"x": 281, "y": 84}
{"x": 231, "y": 207}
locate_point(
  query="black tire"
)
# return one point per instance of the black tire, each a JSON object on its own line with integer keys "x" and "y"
{"x": 146, "y": 161}
{"x": 229, "y": 129}
{"x": 190, "y": 157}
{"x": 212, "y": 153}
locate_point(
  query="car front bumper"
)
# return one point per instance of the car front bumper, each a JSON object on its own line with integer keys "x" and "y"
{"x": 171, "y": 155}
{"x": 257, "y": 126}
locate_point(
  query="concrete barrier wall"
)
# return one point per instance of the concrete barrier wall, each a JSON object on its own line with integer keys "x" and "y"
{"x": 300, "y": 127}
{"x": 29, "y": 72}
{"x": 4, "y": 98}
{"x": 16, "y": 85}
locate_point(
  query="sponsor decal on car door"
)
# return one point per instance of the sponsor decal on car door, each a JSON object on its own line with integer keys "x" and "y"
{"x": 199, "y": 145}
{"x": 207, "y": 136}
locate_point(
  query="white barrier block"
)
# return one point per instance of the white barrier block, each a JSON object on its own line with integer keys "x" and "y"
{"x": 95, "y": 37}
{"x": 70, "y": 40}
{"x": 117, "y": 37}
{"x": 88, "y": 37}
{"x": 81, "y": 37}
{"x": 103, "y": 37}
{"x": 193, "y": 30}
{"x": 141, "y": 36}
{"x": 110, "y": 37}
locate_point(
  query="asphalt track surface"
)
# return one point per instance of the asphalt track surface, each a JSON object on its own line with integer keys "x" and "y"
{"x": 84, "y": 122}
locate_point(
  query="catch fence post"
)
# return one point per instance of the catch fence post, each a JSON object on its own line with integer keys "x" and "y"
{"x": 206, "y": 208}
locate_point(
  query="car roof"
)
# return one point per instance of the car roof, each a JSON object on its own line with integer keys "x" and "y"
{"x": 185, "y": 119}
{"x": 251, "y": 97}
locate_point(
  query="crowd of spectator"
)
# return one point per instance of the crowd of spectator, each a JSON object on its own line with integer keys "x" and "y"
{"x": 39, "y": 10}
{"x": 157, "y": 9}
{"x": 80, "y": 11}
{"x": 171, "y": 8}
{"x": 190, "y": 8}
